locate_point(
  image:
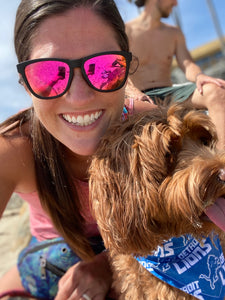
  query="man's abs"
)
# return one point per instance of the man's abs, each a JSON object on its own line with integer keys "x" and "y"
{"x": 151, "y": 76}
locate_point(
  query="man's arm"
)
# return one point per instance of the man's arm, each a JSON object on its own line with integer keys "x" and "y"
{"x": 184, "y": 59}
{"x": 191, "y": 70}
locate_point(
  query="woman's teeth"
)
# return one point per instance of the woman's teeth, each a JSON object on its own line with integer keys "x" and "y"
{"x": 85, "y": 120}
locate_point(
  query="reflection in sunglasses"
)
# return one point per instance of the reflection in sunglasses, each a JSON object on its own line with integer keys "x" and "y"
{"x": 91, "y": 70}
{"x": 119, "y": 63}
{"x": 62, "y": 72}
{"x": 115, "y": 77}
{"x": 108, "y": 74}
{"x": 47, "y": 89}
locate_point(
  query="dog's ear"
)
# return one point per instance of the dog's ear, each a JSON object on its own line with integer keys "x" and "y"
{"x": 184, "y": 191}
{"x": 171, "y": 135}
{"x": 132, "y": 161}
{"x": 200, "y": 128}
{"x": 188, "y": 124}
{"x": 184, "y": 120}
{"x": 186, "y": 194}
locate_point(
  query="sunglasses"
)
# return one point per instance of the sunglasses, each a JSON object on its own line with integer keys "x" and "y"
{"x": 50, "y": 78}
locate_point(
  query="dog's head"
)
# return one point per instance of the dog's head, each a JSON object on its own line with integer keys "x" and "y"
{"x": 153, "y": 177}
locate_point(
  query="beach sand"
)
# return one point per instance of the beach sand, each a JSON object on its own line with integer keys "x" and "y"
{"x": 14, "y": 233}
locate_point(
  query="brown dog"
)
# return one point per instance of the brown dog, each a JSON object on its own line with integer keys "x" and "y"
{"x": 152, "y": 182}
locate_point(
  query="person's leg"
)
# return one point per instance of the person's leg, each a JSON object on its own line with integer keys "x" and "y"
{"x": 10, "y": 281}
{"x": 213, "y": 99}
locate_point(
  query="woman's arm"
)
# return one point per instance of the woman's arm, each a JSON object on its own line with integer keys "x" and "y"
{"x": 16, "y": 171}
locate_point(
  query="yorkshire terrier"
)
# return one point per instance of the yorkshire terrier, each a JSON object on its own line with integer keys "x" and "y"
{"x": 157, "y": 187}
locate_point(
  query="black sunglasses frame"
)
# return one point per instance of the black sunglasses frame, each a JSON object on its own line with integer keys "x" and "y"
{"x": 76, "y": 63}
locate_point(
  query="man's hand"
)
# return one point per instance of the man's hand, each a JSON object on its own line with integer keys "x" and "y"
{"x": 202, "y": 79}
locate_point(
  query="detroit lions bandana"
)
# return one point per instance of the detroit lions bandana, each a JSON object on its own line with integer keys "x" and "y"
{"x": 196, "y": 268}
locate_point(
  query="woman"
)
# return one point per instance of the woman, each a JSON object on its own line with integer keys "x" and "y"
{"x": 73, "y": 61}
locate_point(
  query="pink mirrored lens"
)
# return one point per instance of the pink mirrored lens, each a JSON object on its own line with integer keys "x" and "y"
{"x": 48, "y": 78}
{"x": 106, "y": 72}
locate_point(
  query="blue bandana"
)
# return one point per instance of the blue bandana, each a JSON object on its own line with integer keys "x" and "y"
{"x": 196, "y": 268}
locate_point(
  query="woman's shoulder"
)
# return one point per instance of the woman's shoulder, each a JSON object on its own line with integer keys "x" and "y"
{"x": 15, "y": 141}
{"x": 16, "y": 157}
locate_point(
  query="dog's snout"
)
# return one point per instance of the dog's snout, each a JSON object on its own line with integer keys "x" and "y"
{"x": 222, "y": 174}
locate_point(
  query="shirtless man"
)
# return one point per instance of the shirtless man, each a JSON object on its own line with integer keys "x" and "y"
{"x": 155, "y": 44}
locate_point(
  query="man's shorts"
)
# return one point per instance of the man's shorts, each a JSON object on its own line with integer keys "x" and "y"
{"x": 176, "y": 92}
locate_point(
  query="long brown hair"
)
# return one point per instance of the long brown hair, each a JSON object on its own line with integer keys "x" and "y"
{"x": 56, "y": 189}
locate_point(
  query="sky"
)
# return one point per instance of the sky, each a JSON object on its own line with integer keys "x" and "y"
{"x": 196, "y": 23}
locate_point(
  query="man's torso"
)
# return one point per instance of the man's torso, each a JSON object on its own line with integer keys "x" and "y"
{"x": 155, "y": 48}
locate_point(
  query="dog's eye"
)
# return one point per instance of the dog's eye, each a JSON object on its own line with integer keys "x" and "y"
{"x": 170, "y": 158}
{"x": 205, "y": 141}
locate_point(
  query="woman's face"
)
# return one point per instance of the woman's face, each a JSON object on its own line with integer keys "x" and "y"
{"x": 72, "y": 35}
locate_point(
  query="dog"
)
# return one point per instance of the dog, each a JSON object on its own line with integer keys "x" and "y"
{"x": 155, "y": 183}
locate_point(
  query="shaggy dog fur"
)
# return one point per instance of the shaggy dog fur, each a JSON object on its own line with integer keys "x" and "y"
{"x": 152, "y": 179}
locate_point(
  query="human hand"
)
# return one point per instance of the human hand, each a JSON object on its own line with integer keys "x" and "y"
{"x": 86, "y": 280}
{"x": 202, "y": 79}
{"x": 131, "y": 91}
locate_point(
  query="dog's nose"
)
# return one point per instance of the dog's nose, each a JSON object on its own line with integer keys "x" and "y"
{"x": 222, "y": 174}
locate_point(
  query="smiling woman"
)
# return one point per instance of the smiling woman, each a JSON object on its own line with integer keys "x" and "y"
{"x": 45, "y": 150}
{"x": 75, "y": 73}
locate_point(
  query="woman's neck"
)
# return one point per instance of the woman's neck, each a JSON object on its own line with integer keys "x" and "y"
{"x": 77, "y": 164}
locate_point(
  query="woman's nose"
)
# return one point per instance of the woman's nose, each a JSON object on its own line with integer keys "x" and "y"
{"x": 79, "y": 89}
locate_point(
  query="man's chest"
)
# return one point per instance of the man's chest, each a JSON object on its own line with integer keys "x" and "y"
{"x": 153, "y": 47}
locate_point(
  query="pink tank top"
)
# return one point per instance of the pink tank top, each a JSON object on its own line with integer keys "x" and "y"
{"x": 41, "y": 225}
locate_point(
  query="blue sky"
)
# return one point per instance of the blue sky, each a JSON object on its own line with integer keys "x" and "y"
{"x": 196, "y": 23}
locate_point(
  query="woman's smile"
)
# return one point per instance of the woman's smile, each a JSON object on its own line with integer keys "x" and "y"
{"x": 82, "y": 120}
